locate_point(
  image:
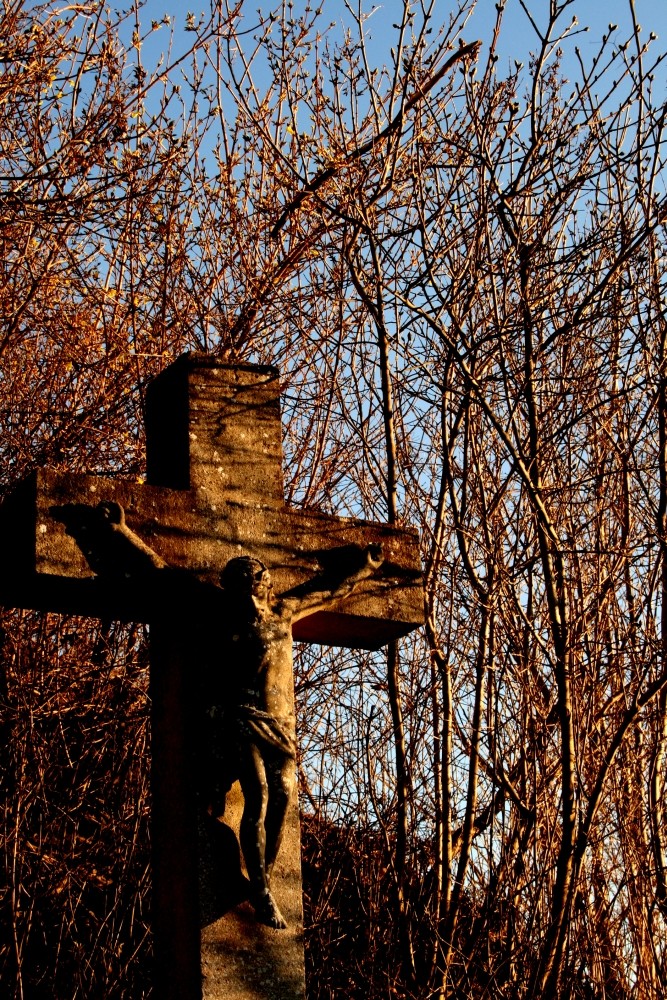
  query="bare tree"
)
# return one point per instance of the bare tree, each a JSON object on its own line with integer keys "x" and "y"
{"x": 459, "y": 267}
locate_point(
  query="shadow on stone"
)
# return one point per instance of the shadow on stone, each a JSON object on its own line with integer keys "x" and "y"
{"x": 222, "y": 884}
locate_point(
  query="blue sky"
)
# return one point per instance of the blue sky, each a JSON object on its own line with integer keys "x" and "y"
{"x": 517, "y": 39}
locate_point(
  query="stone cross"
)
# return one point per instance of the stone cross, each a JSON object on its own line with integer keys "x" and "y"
{"x": 214, "y": 490}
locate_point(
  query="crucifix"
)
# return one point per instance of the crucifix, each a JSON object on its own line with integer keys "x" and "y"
{"x": 212, "y": 504}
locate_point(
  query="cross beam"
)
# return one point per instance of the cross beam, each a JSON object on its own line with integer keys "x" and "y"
{"x": 214, "y": 489}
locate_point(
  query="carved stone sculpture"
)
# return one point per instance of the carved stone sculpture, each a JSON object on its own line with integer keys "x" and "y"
{"x": 213, "y": 490}
{"x": 245, "y": 688}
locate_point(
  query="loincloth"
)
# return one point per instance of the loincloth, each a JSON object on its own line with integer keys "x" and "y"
{"x": 224, "y": 740}
{"x": 267, "y": 732}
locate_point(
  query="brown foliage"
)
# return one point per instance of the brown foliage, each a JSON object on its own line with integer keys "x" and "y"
{"x": 75, "y": 805}
{"x": 460, "y": 271}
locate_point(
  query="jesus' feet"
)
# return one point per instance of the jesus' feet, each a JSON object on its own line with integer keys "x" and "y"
{"x": 267, "y": 912}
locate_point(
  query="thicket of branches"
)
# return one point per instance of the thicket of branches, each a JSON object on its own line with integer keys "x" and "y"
{"x": 459, "y": 266}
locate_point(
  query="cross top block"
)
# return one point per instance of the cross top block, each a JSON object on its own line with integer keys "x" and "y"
{"x": 215, "y": 429}
{"x": 214, "y": 490}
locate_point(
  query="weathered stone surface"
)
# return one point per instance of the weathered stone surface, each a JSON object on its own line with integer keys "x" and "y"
{"x": 175, "y": 905}
{"x": 225, "y": 420}
{"x": 242, "y": 959}
{"x": 192, "y": 513}
{"x": 215, "y": 491}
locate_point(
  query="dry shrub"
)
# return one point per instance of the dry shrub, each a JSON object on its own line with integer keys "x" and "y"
{"x": 75, "y": 799}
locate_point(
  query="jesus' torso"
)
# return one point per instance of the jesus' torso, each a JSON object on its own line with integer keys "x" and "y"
{"x": 257, "y": 659}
